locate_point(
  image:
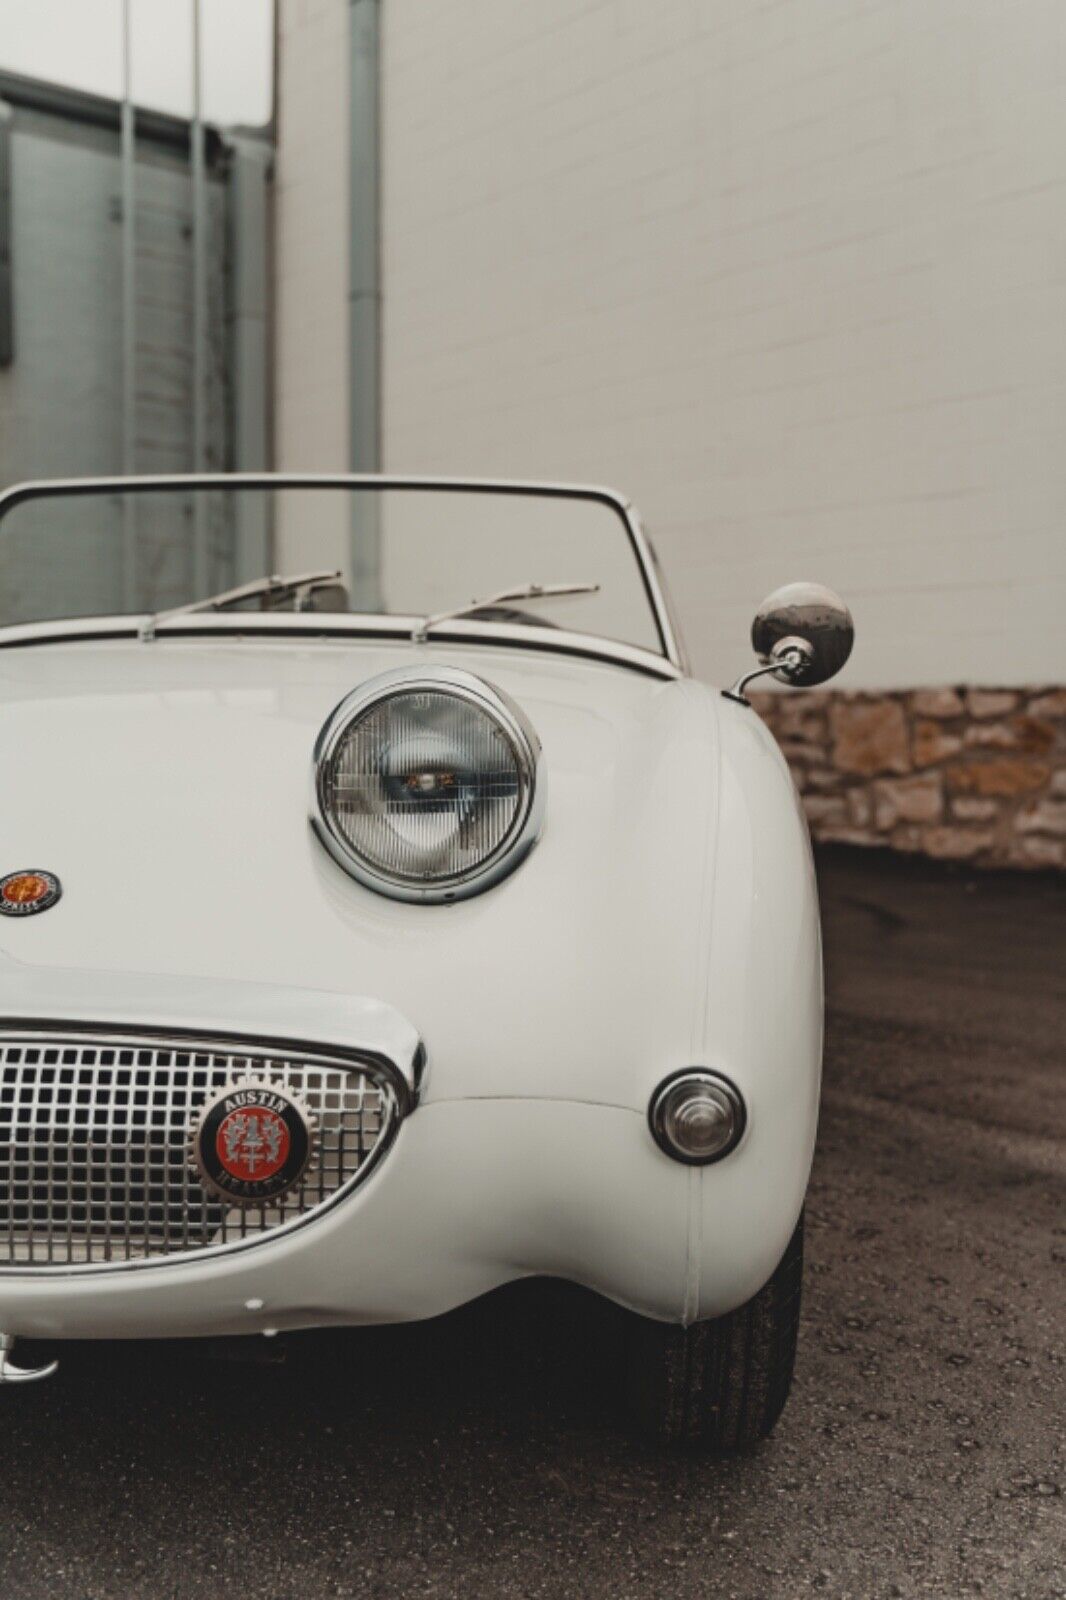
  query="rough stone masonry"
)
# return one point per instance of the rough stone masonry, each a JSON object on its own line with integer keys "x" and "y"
{"x": 961, "y": 774}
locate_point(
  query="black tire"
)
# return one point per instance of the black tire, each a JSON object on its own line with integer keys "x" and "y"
{"x": 719, "y": 1385}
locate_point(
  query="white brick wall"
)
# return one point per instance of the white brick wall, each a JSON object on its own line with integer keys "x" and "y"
{"x": 311, "y": 237}
{"x": 792, "y": 275}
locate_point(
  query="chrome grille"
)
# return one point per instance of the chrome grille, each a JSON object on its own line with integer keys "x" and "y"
{"x": 95, "y": 1136}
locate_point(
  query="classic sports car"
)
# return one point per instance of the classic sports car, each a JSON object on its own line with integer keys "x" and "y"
{"x": 366, "y": 946}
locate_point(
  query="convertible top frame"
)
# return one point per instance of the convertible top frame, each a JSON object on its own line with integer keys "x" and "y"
{"x": 671, "y": 648}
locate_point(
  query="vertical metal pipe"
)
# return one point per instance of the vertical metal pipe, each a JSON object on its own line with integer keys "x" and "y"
{"x": 7, "y": 285}
{"x": 364, "y": 293}
{"x": 250, "y": 168}
{"x": 127, "y": 134}
{"x": 199, "y": 307}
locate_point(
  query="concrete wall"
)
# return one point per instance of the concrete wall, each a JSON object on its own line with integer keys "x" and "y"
{"x": 311, "y": 239}
{"x": 790, "y": 275}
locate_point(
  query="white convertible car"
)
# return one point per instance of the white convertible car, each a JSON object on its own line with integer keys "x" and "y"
{"x": 365, "y": 945}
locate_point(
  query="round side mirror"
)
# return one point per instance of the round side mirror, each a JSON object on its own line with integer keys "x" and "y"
{"x": 819, "y": 623}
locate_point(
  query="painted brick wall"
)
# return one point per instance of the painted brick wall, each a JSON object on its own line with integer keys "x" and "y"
{"x": 311, "y": 237}
{"x": 790, "y": 275}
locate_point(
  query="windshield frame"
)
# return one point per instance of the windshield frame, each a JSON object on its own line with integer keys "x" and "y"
{"x": 670, "y": 646}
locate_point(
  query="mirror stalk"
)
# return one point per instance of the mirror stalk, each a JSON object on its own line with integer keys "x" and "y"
{"x": 788, "y": 659}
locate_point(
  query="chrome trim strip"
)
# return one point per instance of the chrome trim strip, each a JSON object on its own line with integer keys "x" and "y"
{"x": 172, "y": 1005}
{"x": 41, "y": 489}
{"x": 321, "y": 626}
{"x": 406, "y": 1081}
{"x": 520, "y": 734}
{"x": 98, "y": 1035}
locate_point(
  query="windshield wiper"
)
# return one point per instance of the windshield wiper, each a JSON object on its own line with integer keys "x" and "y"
{"x": 278, "y": 589}
{"x": 273, "y": 588}
{"x": 528, "y": 591}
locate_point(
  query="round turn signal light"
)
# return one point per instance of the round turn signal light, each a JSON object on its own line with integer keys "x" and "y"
{"x": 697, "y": 1116}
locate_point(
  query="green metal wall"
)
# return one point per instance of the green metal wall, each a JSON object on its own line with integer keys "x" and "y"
{"x": 61, "y": 304}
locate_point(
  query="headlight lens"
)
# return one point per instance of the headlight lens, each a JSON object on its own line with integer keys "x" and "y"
{"x": 427, "y": 784}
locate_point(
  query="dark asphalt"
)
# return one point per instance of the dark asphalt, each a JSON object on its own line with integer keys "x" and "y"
{"x": 922, "y": 1451}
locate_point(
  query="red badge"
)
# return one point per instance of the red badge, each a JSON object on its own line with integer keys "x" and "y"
{"x": 253, "y": 1143}
{"x": 24, "y": 893}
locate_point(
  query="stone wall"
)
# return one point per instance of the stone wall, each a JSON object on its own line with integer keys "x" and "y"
{"x": 962, "y": 774}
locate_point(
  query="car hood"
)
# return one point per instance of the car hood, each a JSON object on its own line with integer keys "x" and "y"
{"x": 168, "y": 787}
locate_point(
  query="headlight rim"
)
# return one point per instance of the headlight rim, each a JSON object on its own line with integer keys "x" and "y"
{"x": 511, "y": 721}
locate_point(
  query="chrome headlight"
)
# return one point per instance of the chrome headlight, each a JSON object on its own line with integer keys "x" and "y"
{"x": 427, "y": 784}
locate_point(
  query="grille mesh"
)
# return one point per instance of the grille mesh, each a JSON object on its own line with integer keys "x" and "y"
{"x": 95, "y": 1144}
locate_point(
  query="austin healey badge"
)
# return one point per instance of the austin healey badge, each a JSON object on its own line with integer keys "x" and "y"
{"x": 253, "y": 1144}
{"x": 23, "y": 894}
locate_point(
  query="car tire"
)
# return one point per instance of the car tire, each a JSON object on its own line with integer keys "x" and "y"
{"x": 720, "y": 1385}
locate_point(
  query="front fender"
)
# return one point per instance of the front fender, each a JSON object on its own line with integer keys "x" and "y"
{"x": 760, "y": 1019}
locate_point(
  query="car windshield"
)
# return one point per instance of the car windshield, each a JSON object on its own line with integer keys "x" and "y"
{"x": 407, "y": 551}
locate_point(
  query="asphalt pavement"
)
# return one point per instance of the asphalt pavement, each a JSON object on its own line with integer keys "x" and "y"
{"x": 480, "y": 1455}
